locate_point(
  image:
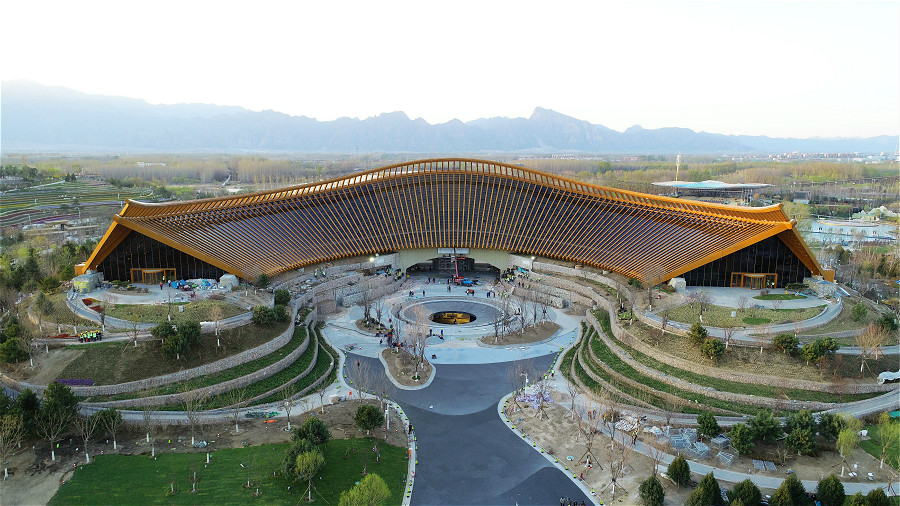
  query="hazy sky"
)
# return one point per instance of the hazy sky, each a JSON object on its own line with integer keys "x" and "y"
{"x": 772, "y": 68}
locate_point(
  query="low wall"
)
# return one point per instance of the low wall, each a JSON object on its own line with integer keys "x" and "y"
{"x": 210, "y": 368}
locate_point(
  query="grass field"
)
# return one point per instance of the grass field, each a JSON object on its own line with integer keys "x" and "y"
{"x": 779, "y": 296}
{"x": 199, "y": 310}
{"x": 138, "y": 480}
{"x": 110, "y": 362}
{"x": 872, "y": 447}
{"x": 719, "y": 316}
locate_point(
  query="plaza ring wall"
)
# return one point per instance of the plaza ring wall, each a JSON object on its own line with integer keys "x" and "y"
{"x": 447, "y": 203}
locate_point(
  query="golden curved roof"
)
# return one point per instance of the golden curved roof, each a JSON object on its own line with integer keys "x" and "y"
{"x": 452, "y": 202}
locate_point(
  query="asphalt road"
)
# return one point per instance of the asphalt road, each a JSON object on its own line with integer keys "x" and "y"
{"x": 466, "y": 454}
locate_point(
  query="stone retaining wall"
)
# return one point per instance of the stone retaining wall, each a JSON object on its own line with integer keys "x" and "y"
{"x": 218, "y": 388}
{"x": 624, "y": 336}
{"x": 210, "y": 368}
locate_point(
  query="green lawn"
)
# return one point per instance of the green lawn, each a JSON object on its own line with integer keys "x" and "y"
{"x": 109, "y": 362}
{"x": 138, "y": 479}
{"x": 719, "y": 316}
{"x": 199, "y": 310}
{"x": 872, "y": 447}
{"x": 779, "y": 296}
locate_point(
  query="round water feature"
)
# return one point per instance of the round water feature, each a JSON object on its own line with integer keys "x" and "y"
{"x": 453, "y": 317}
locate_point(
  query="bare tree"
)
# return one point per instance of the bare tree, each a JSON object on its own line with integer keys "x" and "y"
{"x": 192, "y": 402}
{"x": 216, "y": 312}
{"x": 382, "y": 388}
{"x": 378, "y": 305}
{"x": 522, "y": 313}
{"x": 776, "y": 304}
{"x": 366, "y": 302}
{"x": 544, "y": 301}
{"x": 236, "y": 398}
{"x": 417, "y": 337}
{"x": 150, "y": 428}
{"x": 321, "y": 392}
{"x": 288, "y": 401}
{"x": 574, "y": 392}
{"x": 542, "y": 391}
{"x": 704, "y": 299}
{"x": 51, "y": 423}
{"x": 363, "y": 378}
{"x": 743, "y": 301}
{"x": 762, "y": 337}
{"x": 111, "y": 419}
{"x": 653, "y": 274}
{"x": 674, "y": 405}
{"x": 87, "y": 427}
{"x": 12, "y": 429}
{"x": 728, "y": 330}
{"x": 589, "y": 431}
{"x": 869, "y": 342}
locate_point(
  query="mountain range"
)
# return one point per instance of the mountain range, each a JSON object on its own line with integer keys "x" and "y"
{"x": 37, "y": 117}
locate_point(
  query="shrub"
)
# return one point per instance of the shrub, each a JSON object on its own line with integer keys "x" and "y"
{"x": 747, "y": 492}
{"x": 368, "y": 417}
{"x": 279, "y": 312}
{"x": 858, "y": 312}
{"x": 801, "y": 441}
{"x": 888, "y": 322}
{"x": 282, "y": 297}
{"x": 679, "y": 471}
{"x": 163, "y": 331}
{"x": 708, "y": 425}
{"x": 370, "y": 491}
{"x": 707, "y": 493}
{"x": 313, "y": 430}
{"x": 698, "y": 334}
{"x": 635, "y": 283}
{"x": 877, "y": 497}
{"x": 741, "y": 438}
{"x": 712, "y": 348}
{"x": 857, "y": 499}
{"x": 263, "y": 280}
{"x": 13, "y": 351}
{"x": 831, "y": 491}
{"x": 263, "y": 315}
{"x": 765, "y": 427}
{"x": 795, "y": 489}
{"x": 786, "y": 342}
{"x": 190, "y": 332}
{"x": 651, "y": 492}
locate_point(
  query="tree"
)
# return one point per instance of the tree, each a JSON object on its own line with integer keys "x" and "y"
{"x": 652, "y": 492}
{"x": 707, "y": 493}
{"x": 174, "y": 346}
{"x": 712, "y": 348}
{"x": 747, "y": 492}
{"x": 742, "y": 438}
{"x": 236, "y": 398}
{"x": 765, "y": 427}
{"x": 368, "y": 417}
{"x": 192, "y": 402}
{"x": 679, "y": 471}
{"x": 111, "y": 420}
{"x": 781, "y": 497}
{"x": 263, "y": 315}
{"x": 11, "y": 432}
{"x": 297, "y": 447}
{"x": 27, "y": 405}
{"x": 697, "y": 334}
{"x": 801, "y": 441}
{"x": 858, "y": 312}
{"x": 163, "y": 331}
{"x": 877, "y": 497}
{"x": 282, "y": 297}
{"x": 888, "y": 435}
{"x": 87, "y": 427}
{"x": 52, "y": 421}
{"x": 831, "y": 491}
{"x": 786, "y": 342}
{"x": 811, "y": 352}
{"x": 869, "y": 342}
{"x": 279, "y": 312}
{"x": 307, "y": 466}
{"x": 370, "y": 491}
{"x": 216, "y": 313}
{"x": 263, "y": 280}
{"x": 190, "y": 332}
{"x": 708, "y": 425}
{"x": 802, "y": 419}
{"x": 846, "y": 442}
{"x": 830, "y": 426}
{"x": 857, "y": 499}
{"x": 13, "y": 351}
{"x": 313, "y": 430}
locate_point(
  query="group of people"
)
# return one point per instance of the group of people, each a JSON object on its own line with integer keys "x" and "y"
{"x": 565, "y": 501}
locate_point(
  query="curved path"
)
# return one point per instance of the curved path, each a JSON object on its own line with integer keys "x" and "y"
{"x": 466, "y": 454}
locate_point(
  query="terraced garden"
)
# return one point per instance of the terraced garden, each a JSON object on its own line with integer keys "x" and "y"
{"x": 719, "y": 316}
{"x": 62, "y": 199}
{"x": 199, "y": 310}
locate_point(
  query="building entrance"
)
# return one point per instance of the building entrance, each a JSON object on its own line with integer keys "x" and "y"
{"x": 153, "y": 276}
{"x": 754, "y": 281}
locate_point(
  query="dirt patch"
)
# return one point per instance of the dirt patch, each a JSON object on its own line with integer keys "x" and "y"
{"x": 532, "y": 334}
{"x": 34, "y": 478}
{"x": 560, "y": 433}
{"x": 401, "y": 365}
{"x": 47, "y": 366}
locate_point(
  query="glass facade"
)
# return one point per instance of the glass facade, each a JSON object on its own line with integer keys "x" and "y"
{"x": 769, "y": 256}
{"x": 138, "y": 251}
